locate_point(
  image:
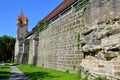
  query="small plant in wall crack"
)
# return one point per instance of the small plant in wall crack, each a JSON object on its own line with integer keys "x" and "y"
{"x": 78, "y": 40}
{"x": 74, "y": 67}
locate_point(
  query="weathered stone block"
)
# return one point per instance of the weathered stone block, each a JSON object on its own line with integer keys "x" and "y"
{"x": 117, "y": 68}
{"x": 101, "y": 66}
{"x": 115, "y": 62}
{"x": 117, "y": 74}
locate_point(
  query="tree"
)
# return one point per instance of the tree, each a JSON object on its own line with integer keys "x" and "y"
{"x": 7, "y": 44}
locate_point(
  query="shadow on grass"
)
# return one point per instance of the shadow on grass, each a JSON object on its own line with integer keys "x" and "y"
{"x": 40, "y": 75}
{"x": 18, "y": 76}
{"x": 4, "y": 72}
{"x": 5, "y": 67}
{"x": 4, "y": 75}
{"x": 15, "y": 64}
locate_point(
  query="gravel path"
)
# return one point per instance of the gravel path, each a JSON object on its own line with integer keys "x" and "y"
{"x": 16, "y": 74}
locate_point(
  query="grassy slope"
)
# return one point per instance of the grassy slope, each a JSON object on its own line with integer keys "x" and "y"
{"x": 4, "y": 72}
{"x": 37, "y": 73}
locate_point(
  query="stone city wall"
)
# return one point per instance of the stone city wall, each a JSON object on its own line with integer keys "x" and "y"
{"x": 58, "y": 43}
{"x": 33, "y": 49}
{"x": 102, "y": 22}
{"x": 91, "y": 31}
{"x": 101, "y": 39}
{"x": 31, "y": 54}
{"x": 107, "y": 69}
{"x": 97, "y": 24}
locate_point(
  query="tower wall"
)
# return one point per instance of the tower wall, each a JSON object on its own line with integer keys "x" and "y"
{"x": 21, "y": 33}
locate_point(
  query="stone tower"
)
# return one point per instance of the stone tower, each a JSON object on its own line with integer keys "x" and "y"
{"x": 22, "y": 27}
{"x": 21, "y": 33}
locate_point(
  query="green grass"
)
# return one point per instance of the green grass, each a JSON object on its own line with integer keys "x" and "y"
{"x": 38, "y": 73}
{"x": 4, "y": 72}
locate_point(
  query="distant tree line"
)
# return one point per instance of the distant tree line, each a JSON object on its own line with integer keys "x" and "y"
{"x": 7, "y": 44}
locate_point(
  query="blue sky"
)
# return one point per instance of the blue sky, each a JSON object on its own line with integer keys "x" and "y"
{"x": 35, "y": 10}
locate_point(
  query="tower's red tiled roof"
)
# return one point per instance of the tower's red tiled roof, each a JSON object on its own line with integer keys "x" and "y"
{"x": 58, "y": 9}
{"x": 22, "y": 17}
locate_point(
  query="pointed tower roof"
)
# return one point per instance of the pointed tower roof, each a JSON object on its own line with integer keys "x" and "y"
{"x": 22, "y": 17}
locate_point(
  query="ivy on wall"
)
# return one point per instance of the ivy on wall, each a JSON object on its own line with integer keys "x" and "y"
{"x": 78, "y": 38}
{"x": 81, "y": 4}
{"x": 39, "y": 27}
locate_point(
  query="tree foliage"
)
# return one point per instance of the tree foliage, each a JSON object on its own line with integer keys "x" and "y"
{"x": 6, "y": 48}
